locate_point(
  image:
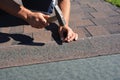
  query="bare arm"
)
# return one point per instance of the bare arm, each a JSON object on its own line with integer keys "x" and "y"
{"x": 15, "y": 9}
{"x": 71, "y": 35}
{"x": 35, "y": 19}
{"x": 65, "y": 7}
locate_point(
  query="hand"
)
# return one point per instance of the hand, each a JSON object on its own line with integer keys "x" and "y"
{"x": 37, "y": 20}
{"x": 67, "y": 34}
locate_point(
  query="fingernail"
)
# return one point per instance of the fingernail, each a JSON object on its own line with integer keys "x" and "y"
{"x": 76, "y": 38}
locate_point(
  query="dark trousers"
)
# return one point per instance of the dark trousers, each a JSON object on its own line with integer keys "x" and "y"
{"x": 39, "y": 5}
{"x": 45, "y": 6}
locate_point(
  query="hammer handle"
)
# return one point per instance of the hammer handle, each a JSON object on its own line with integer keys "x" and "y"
{"x": 59, "y": 16}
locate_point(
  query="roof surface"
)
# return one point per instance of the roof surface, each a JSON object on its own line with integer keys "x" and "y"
{"x": 98, "y": 25}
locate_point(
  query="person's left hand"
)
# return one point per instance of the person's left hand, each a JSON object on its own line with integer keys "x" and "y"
{"x": 67, "y": 34}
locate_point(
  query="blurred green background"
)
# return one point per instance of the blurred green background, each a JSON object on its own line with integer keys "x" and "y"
{"x": 114, "y": 2}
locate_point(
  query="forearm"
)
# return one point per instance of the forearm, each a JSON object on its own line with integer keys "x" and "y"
{"x": 65, "y": 7}
{"x": 13, "y": 8}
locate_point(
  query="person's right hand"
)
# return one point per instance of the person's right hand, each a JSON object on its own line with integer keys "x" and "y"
{"x": 37, "y": 20}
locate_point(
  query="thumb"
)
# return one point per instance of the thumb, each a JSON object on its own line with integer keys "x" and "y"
{"x": 46, "y": 16}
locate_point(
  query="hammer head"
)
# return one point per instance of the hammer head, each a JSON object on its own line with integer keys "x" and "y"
{"x": 58, "y": 16}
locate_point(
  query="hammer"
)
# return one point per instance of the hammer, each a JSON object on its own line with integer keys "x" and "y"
{"x": 58, "y": 16}
{"x": 54, "y": 3}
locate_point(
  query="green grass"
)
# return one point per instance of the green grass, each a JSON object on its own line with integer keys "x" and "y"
{"x": 114, "y": 2}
